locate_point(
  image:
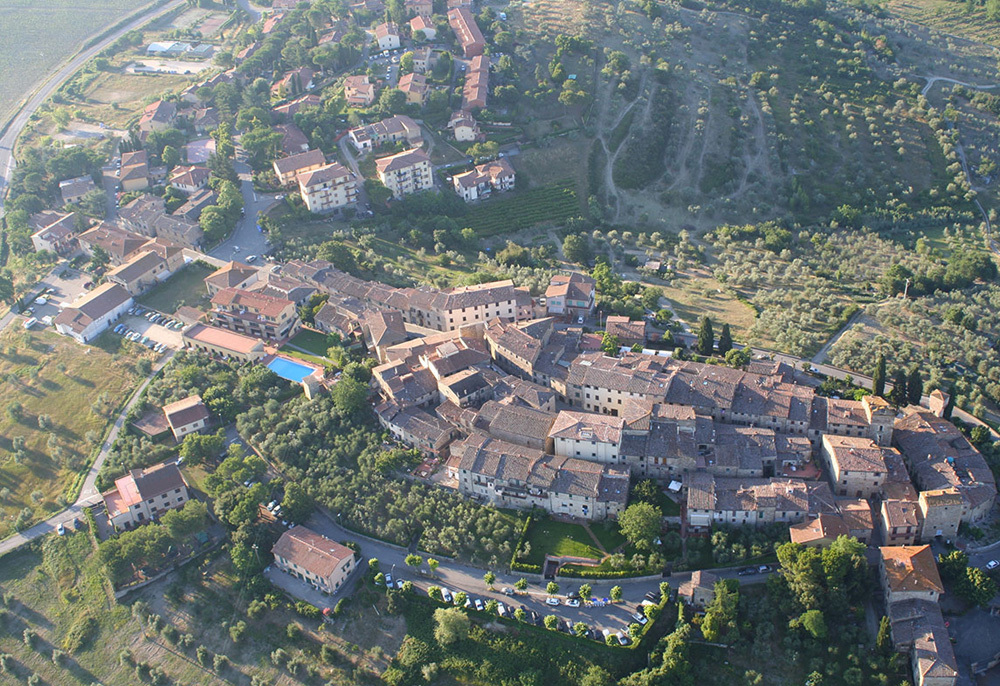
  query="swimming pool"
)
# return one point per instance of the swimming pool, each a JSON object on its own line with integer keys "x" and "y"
{"x": 288, "y": 369}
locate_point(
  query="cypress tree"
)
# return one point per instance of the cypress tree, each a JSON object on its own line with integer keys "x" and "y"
{"x": 897, "y": 396}
{"x": 950, "y": 406}
{"x": 878, "y": 378}
{"x": 914, "y": 387}
{"x": 884, "y": 640}
{"x": 725, "y": 340}
{"x": 706, "y": 337}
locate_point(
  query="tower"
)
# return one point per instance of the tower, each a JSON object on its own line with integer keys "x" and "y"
{"x": 881, "y": 417}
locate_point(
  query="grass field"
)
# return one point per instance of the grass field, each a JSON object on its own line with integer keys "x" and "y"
{"x": 37, "y": 36}
{"x": 57, "y": 579}
{"x": 559, "y": 538}
{"x": 79, "y": 402}
{"x": 959, "y": 18}
{"x": 694, "y": 294}
{"x": 186, "y": 287}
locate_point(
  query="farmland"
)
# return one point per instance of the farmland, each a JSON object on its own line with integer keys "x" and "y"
{"x": 37, "y": 36}
{"x": 507, "y": 215}
{"x": 57, "y": 401}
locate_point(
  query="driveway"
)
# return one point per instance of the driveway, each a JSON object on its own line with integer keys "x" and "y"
{"x": 246, "y": 240}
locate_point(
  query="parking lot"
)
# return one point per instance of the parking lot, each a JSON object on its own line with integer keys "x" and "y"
{"x": 59, "y": 290}
{"x": 162, "y": 330}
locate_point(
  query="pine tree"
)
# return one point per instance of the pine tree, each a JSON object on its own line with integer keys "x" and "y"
{"x": 725, "y": 340}
{"x": 897, "y": 396}
{"x": 706, "y": 337}
{"x": 878, "y": 378}
{"x": 914, "y": 387}
{"x": 950, "y": 406}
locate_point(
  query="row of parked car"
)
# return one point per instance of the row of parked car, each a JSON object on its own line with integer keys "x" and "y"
{"x": 155, "y": 317}
{"x": 137, "y": 337}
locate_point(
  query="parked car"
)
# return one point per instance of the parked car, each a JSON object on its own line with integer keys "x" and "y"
{"x": 653, "y": 597}
{"x": 388, "y": 580}
{"x": 552, "y": 601}
{"x": 992, "y": 564}
{"x": 507, "y": 591}
{"x": 747, "y": 571}
{"x": 251, "y": 258}
{"x": 61, "y": 530}
{"x": 502, "y": 610}
{"x": 479, "y": 605}
{"x": 640, "y": 618}
{"x": 572, "y": 602}
{"x": 399, "y": 584}
{"x": 446, "y": 595}
{"x": 763, "y": 569}
{"x": 622, "y": 639}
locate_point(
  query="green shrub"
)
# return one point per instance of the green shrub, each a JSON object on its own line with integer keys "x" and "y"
{"x": 80, "y": 633}
{"x": 307, "y": 610}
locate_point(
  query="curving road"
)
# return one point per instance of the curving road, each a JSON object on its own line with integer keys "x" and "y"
{"x": 56, "y": 79}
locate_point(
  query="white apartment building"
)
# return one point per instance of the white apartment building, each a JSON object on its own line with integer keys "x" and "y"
{"x": 328, "y": 188}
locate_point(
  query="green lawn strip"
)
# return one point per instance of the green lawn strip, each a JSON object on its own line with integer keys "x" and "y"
{"x": 186, "y": 287}
{"x": 668, "y": 506}
{"x": 292, "y": 352}
{"x": 315, "y": 342}
{"x": 550, "y": 537}
{"x": 608, "y": 534}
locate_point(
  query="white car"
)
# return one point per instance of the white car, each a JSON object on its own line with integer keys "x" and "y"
{"x": 992, "y": 564}
{"x": 446, "y": 595}
{"x": 552, "y": 601}
{"x": 640, "y": 618}
{"x": 388, "y": 580}
{"x": 572, "y": 602}
{"x": 251, "y": 258}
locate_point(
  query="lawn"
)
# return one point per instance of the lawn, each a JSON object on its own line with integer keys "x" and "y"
{"x": 608, "y": 534}
{"x": 40, "y": 35}
{"x": 186, "y": 287}
{"x": 311, "y": 341}
{"x": 549, "y": 537}
{"x": 78, "y": 389}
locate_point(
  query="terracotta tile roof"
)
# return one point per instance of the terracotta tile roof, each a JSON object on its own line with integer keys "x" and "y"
{"x": 303, "y": 160}
{"x": 186, "y": 411}
{"x": 587, "y": 426}
{"x": 223, "y": 338}
{"x": 401, "y": 160}
{"x": 856, "y": 454}
{"x": 824, "y": 527}
{"x": 232, "y": 299}
{"x": 910, "y": 569}
{"x": 311, "y": 551}
{"x": 231, "y": 275}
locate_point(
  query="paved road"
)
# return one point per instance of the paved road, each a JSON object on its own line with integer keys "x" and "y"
{"x": 459, "y": 577}
{"x": 89, "y": 495}
{"x": 52, "y": 82}
{"x": 246, "y": 239}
